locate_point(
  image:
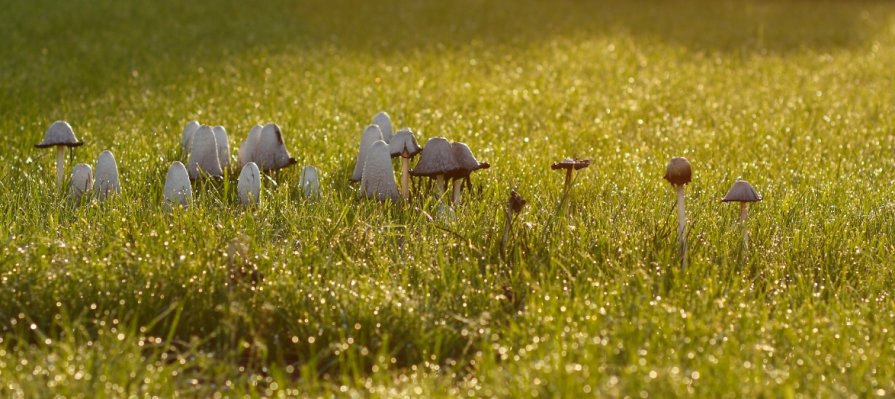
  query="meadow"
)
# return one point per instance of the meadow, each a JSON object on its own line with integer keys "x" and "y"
{"x": 345, "y": 297}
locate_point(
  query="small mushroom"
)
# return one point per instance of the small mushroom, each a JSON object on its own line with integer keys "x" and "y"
{"x": 249, "y": 185}
{"x": 514, "y": 207}
{"x": 247, "y": 148}
{"x": 223, "y": 145}
{"x": 378, "y": 178}
{"x": 385, "y": 124}
{"x": 60, "y": 135}
{"x": 186, "y": 139}
{"x": 106, "y": 182}
{"x": 404, "y": 145}
{"x": 204, "y": 154}
{"x": 81, "y": 182}
{"x": 742, "y": 192}
{"x": 270, "y": 152}
{"x": 310, "y": 182}
{"x": 569, "y": 164}
{"x": 436, "y": 161}
{"x": 371, "y": 134}
{"x": 466, "y": 164}
{"x": 679, "y": 173}
{"x": 177, "y": 186}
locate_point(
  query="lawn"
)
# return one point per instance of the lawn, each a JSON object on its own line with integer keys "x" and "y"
{"x": 348, "y": 297}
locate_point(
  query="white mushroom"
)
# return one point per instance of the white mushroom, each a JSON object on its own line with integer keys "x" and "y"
{"x": 81, "y": 182}
{"x": 385, "y": 124}
{"x": 744, "y": 193}
{"x": 60, "y": 135}
{"x": 404, "y": 145}
{"x": 371, "y": 134}
{"x": 270, "y": 151}
{"x": 223, "y": 145}
{"x": 310, "y": 182}
{"x": 378, "y": 177}
{"x": 679, "y": 173}
{"x": 249, "y": 185}
{"x": 247, "y": 148}
{"x": 178, "y": 190}
{"x": 436, "y": 161}
{"x": 187, "y": 138}
{"x": 106, "y": 182}
{"x": 204, "y": 154}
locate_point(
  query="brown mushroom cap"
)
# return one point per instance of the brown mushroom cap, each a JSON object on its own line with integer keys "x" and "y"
{"x": 60, "y": 133}
{"x": 569, "y": 164}
{"x": 404, "y": 142}
{"x": 742, "y": 191}
{"x": 436, "y": 159}
{"x": 465, "y": 160}
{"x": 678, "y": 171}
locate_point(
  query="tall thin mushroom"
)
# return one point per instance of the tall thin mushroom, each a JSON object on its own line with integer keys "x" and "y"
{"x": 679, "y": 173}
{"x": 569, "y": 165}
{"x": 370, "y": 135}
{"x": 744, "y": 193}
{"x": 60, "y": 135}
{"x": 378, "y": 178}
{"x": 404, "y": 145}
{"x": 223, "y": 144}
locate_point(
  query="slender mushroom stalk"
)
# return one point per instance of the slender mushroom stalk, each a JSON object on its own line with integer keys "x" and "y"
{"x": 679, "y": 173}
{"x": 514, "y": 206}
{"x": 744, "y": 193}
{"x": 404, "y": 144}
{"x": 60, "y": 135}
{"x": 569, "y": 165}
{"x": 405, "y": 175}
{"x": 60, "y": 166}
{"x": 466, "y": 165}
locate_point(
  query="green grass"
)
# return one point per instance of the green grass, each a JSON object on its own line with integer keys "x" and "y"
{"x": 342, "y": 296}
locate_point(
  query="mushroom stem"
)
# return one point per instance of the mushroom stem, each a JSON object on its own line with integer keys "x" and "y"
{"x": 568, "y": 178}
{"x": 60, "y": 166}
{"x": 405, "y": 178}
{"x": 744, "y": 215}
{"x": 681, "y": 223}
{"x": 458, "y": 187}
{"x": 439, "y": 186}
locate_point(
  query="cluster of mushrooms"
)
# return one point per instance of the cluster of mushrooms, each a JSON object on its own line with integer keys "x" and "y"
{"x": 440, "y": 160}
{"x": 83, "y": 184}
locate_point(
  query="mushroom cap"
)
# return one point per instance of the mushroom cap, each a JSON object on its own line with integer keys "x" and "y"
{"x": 249, "y": 184}
{"x": 187, "y": 138}
{"x": 678, "y": 171}
{"x": 570, "y": 163}
{"x": 370, "y": 135}
{"x": 177, "y": 185}
{"x": 270, "y": 151}
{"x": 81, "y": 181}
{"x": 385, "y": 124}
{"x": 204, "y": 154}
{"x": 106, "y": 180}
{"x": 223, "y": 145}
{"x": 404, "y": 142}
{"x": 436, "y": 159}
{"x": 378, "y": 178}
{"x": 516, "y": 202}
{"x": 247, "y": 148}
{"x": 310, "y": 181}
{"x": 741, "y": 191}
{"x": 465, "y": 160}
{"x": 60, "y": 134}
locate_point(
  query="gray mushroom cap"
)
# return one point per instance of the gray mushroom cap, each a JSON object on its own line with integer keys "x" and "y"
{"x": 270, "y": 151}
{"x": 177, "y": 185}
{"x": 106, "y": 180}
{"x": 741, "y": 191}
{"x": 247, "y": 148}
{"x": 249, "y": 184}
{"x": 678, "y": 171}
{"x": 465, "y": 160}
{"x": 204, "y": 154}
{"x": 436, "y": 159}
{"x": 60, "y": 133}
{"x": 223, "y": 145}
{"x": 370, "y": 135}
{"x": 81, "y": 181}
{"x": 310, "y": 181}
{"x": 403, "y": 143}
{"x": 385, "y": 124}
{"x": 378, "y": 178}
{"x": 187, "y": 138}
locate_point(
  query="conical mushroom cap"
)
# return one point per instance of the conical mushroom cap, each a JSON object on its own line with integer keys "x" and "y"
{"x": 106, "y": 180}
{"x": 247, "y": 148}
{"x": 741, "y": 191}
{"x": 223, "y": 144}
{"x": 437, "y": 159}
{"x": 204, "y": 154}
{"x": 177, "y": 185}
{"x": 60, "y": 133}
{"x": 81, "y": 181}
{"x": 678, "y": 171}
{"x": 402, "y": 142}
{"x": 270, "y": 152}
{"x": 310, "y": 182}
{"x": 249, "y": 184}
{"x": 371, "y": 134}
{"x": 385, "y": 124}
{"x": 465, "y": 160}
{"x": 378, "y": 178}
{"x": 187, "y": 138}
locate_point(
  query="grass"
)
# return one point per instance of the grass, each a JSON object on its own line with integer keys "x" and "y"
{"x": 343, "y": 297}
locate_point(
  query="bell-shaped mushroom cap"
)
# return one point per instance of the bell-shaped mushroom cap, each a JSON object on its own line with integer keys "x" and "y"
{"x": 570, "y": 163}
{"x": 310, "y": 182}
{"x": 371, "y": 134}
{"x": 465, "y": 160}
{"x": 678, "y": 171}
{"x": 106, "y": 180}
{"x": 385, "y": 124}
{"x": 247, "y": 148}
{"x": 270, "y": 151}
{"x": 403, "y": 144}
{"x": 187, "y": 138}
{"x": 741, "y": 191}
{"x": 177, "y": 185}
{"x": 249, "y": 184}
{"x": 81, "y": 181}
{"x": 437, "y": 159}
{"x": 378, "y": 178}
{"x": 60, "y": 134}
{"x": 223, "y": 144}
{"x": 204, "y": 154}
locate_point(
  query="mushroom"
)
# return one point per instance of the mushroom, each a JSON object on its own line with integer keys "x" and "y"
{"x": 404, "y": 145}
{"x": 106, "y": 181}
{"x": 436, "y": 161}
{"x": 742, "y": 192}
{"x": 177, "y": 186}
{"x": 514, "y": 207}
{"x": 569, "y": 164}
{"x": 679, "y": 173}
{"x": 467, "y": 164}
{"x": 247, "y": 148}
{"x": 371, "y": 134}
{"x": 186, "y": 139}
{"x": 60, "y": 135}
{"x": 378, "y": 178}
{"x": 385, "y": 124}
{"x": 204, "y": 154}
{"x": 81, "y": 181}
{"x": 249, "y": 184}
{"x": 310, "y": 182}
{"x": 270, "y": 151}
{"x": 223, "y": 146}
